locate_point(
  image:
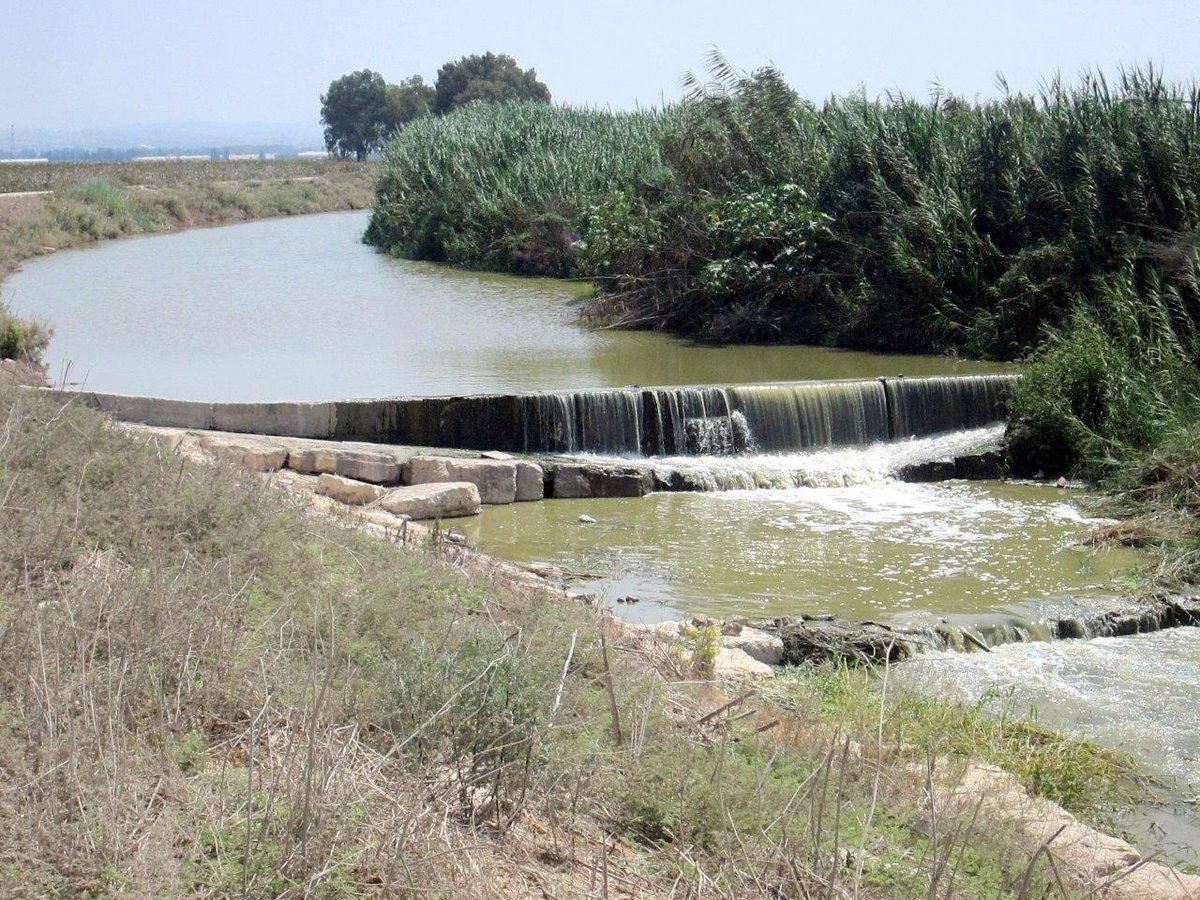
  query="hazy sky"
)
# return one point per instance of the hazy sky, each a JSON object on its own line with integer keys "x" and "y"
{"x": 117, "y": 62}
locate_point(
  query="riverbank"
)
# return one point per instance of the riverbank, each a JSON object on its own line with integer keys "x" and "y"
{"x": 50, "y": 207}
{"x": 234, "y": 694}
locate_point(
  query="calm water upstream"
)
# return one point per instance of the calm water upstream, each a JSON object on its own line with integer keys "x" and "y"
{"x": 300, "y": 309}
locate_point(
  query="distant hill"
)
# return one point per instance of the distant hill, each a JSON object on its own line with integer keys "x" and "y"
{"x": 167, "y": 137}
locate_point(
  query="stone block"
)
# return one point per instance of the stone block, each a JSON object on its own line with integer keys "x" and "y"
{"x": 444, "y": 500}
{"x": 531, "y": 483}
{"x": 153, "y": 410}
{"x": 377, "y": 468}
{"x": 495, "y": 479}
{"x": 347, "y": 490}
{"x": 736, "y": 665}
{"x": 313, "y": 460}
{"x": 595, "y": 481}
{"x": 758, "y": 645}
{"x": 255, "y": 457}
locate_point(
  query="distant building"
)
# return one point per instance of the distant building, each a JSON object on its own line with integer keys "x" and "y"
{"x": 169, "y": 158}
{"x": 24, "y": 162}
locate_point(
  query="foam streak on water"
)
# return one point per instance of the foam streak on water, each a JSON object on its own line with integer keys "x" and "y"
{"x": 875, "y": 463}
{"x": 868, "y": 550}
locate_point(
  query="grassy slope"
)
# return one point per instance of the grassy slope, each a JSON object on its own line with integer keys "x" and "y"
{"x": 95, "y": 202}
{"x": 203, "y": 690}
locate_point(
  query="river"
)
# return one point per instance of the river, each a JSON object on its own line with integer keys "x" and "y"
{"x": 301, "y": 309}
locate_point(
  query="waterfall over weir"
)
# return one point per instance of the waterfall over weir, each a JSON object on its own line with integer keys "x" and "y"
{"x": 635, "y": 421}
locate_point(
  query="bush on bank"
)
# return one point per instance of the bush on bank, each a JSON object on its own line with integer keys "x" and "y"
{"x": 1122, "y": 376}
{"x": 22, "y": 339}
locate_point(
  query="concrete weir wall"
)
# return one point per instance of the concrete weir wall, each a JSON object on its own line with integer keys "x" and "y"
{"x": 649, "y": 421}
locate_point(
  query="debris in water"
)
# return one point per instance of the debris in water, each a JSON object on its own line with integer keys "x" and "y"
{"x": 585, "y": 519}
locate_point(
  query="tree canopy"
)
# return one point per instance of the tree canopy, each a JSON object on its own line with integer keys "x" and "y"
{"x": 408, "y": 100}
{"x": 355, "y": 114}
{"x": 360, "y": 111}
{"x": 489, "y": 77}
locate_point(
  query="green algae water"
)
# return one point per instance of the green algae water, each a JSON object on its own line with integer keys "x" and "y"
{"x": 872, "y": 550}
{"x": 301, "y": 309}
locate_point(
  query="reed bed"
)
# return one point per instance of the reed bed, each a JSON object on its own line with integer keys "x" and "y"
{"x": 502, "y": 186}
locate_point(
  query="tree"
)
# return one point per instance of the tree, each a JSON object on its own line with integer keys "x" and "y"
{"x": 355, "y": 113}
{"x": 408, "y": 100}
{"x": 490, "y": 77}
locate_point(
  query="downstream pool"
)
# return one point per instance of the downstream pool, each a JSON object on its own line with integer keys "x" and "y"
{"x": 301, "y": 309}
{"x": 867, "y": 547}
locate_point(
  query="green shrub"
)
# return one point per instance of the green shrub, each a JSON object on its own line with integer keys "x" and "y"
{"x": 1122, "y": 377}
{"x": 22, "y": 339}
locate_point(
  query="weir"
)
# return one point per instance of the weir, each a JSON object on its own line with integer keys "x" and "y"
{"x": 633, "y": 421}
{"x": 768, "y": 418}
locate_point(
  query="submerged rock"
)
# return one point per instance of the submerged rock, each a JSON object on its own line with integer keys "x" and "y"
{"x": 574, "y": 481}
{"x": 930, "y": 471}
{"x": 981, "y": 466}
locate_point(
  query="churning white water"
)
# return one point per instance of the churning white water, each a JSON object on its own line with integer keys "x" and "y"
{"x": 1136, "y": 694}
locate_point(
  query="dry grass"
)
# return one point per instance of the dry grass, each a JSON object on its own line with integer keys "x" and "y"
{"x": 166, "y": 173}
{"x": 206, "y": 691}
